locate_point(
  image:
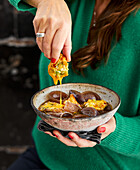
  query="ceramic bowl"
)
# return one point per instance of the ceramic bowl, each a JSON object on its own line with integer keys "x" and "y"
{"x": 80, "y": 124}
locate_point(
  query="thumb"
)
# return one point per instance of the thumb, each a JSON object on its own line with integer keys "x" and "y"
{"x": 102, "y": 129}
{"x": 107, "y": 127}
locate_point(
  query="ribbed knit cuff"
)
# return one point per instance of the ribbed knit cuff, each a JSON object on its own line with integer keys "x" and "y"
{"x": 22, "y": 6}
{"x": 125, "y": 139}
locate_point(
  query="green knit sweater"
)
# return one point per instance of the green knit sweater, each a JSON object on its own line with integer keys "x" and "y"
{"x": 121, "y": 149}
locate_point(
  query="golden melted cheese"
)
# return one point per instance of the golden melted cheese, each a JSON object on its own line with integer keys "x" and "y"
{"x": 97, "y": 104}
{"x": 51, "y": 106}
{"x": 59, "y": 69}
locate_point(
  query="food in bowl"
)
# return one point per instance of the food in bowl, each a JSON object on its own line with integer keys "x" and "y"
{"x": 74, "y": 105}
{"x": 78, "y": 124}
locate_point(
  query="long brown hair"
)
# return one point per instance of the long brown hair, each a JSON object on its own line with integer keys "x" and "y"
{"x": 108, "y": 24}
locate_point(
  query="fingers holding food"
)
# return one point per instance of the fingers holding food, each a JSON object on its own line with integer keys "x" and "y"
{"x": 67, "y": 47}
{"x": 54, "y": 19}
{"x": 58, "y": 43}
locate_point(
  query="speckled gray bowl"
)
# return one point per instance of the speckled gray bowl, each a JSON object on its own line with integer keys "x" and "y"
{"x": 80, "y": 124}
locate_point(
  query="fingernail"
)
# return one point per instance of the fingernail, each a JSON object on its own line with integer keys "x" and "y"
{"x": 103, "y": 129}
{"x": 71, "y": 136}
{"x": 53, "y": 60}
{"x": 56, "y": 135}
{"x": 69, "y": 59}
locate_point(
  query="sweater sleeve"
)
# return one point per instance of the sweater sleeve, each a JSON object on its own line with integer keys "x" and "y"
{"x": 126, "y": 137}
{"x": 22, "y": 6}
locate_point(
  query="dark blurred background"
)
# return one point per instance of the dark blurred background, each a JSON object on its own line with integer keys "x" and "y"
{"x": 19, "y": 57}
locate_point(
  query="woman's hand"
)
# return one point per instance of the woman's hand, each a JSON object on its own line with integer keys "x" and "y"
{"x": 105, "y": 129}
{"x": 54, "y": 19}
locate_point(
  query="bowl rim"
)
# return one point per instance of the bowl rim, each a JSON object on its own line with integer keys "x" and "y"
{"x": 73, "y": 119}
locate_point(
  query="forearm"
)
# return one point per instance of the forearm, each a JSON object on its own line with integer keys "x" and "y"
{"x": 125, "y": 139}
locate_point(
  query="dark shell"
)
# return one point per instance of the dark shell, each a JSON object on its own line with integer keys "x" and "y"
{"x": 67, "y": 115}
{"x": 54, "y": 96}
{"x": 78, "y": 96}
{"x": 90, "y": 95}
{"x": 108, "y": 108}
{"x": 90, "y": 111}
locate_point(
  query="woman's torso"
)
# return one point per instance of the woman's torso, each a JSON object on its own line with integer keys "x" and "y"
{"x": 120, "y": 74}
